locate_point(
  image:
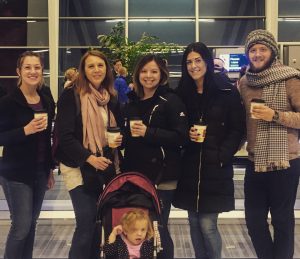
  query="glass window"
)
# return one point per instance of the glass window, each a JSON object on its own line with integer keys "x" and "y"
{"x": 83, "y": 32}
{"x": 23, "y": 33}
{"x": 69, "y": 57}
{"x": 7, "y": 85}
{"x": 178, "y": 32}
{"x": 17, "y": 8}
{"x": 37, "y": 33}
{"x": 227, "y": 32}
{"x": 37, "y": 8}
{"x": 92, "y": 8}
{"x": 232, "y": 7}
{"x": 146, "y": 8}
{"x": 9, "y": 60}
{"x": 288, "y": 30}
{"x": 289, "y": 7}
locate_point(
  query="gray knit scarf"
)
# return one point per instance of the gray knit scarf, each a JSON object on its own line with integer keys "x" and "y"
{"x": 271, "y": 147}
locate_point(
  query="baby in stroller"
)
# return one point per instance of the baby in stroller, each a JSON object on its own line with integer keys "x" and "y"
{"x": 131, "y": 200}
{"x": 133, "y": 238}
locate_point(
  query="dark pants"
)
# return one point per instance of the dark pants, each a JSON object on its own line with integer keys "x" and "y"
{"x": 86, "y": 241}
{"x": 24, "y": 202}
{"x": 273, "y": 192}
{"x": 166, "y": 197}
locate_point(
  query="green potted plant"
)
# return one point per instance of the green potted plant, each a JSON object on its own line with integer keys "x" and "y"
{"x": 116, "y": 46}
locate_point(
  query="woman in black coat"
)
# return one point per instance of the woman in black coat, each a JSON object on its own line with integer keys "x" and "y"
{"x": 206, "y": 185}
{"x": 26, "y": 166}
{"x": 153, "y": 145}
{"x": 85, "y": 111}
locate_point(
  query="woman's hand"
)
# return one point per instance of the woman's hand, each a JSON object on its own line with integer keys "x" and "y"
{"x": 51, "y": 180}
{"x": 118, "y": 140}
{"x": 35, "y": 125}
{"x": 138, "y": 128}
{"x": 100, "y": 162}
{"x": 194, "y": 135}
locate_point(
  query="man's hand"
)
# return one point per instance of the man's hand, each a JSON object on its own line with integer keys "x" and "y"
{"x": 263, "y": 112}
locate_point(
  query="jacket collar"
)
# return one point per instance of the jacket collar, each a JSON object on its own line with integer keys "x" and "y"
{"x": 161, "y": 90}
{"x": 19, "y": 98}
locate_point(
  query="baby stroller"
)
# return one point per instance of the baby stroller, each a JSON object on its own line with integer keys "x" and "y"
{"x": 130, "y": 191}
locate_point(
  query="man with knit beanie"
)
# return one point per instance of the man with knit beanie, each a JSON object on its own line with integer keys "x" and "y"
{"x": 272, "y": 173}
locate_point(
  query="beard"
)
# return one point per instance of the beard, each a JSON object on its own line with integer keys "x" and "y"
{"x": 264, "y": 67}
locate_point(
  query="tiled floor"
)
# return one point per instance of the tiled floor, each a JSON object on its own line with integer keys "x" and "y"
{"x": 54, "y": 236}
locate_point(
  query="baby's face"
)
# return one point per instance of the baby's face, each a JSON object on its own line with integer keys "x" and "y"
{"x": 137, "y": 233}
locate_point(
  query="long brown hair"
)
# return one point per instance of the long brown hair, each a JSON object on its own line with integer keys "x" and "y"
{"x": 20, "y": 62}
{"x": 82, "y": 82}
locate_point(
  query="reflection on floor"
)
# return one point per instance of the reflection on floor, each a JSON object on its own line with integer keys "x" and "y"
{"x": 54, "y": 236}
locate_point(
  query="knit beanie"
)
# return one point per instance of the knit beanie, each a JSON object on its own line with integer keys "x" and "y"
{"x": 261, "y": 37}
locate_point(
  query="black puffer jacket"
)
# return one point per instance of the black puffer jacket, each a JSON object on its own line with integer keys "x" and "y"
{"x": 157, "y": 154}
{"x": 206, "y": 184}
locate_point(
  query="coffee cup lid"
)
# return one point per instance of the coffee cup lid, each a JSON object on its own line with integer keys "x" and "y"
{"x": 113, "y": 129}
{"x": 257, "y": 100}
{"x": 40, "y": 111}
{"x": 200, "y": 124}
{"x": 135, "y": 118}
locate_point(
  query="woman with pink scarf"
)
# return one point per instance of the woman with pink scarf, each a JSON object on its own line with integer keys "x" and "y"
{"x": 85, "y": 111}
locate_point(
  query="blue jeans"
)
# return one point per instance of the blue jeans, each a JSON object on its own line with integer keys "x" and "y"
{"x": 86, "y": 241}
{"x": 205, "y": 235}
{"x": 24, "y": 202}
{"x": 273, "y": 192}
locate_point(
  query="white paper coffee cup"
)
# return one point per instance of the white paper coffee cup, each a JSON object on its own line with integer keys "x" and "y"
{"x": 131, "y": 122}
{"x": 255, "y": 102}
{"x": 112, "y": 134}
{"x": 201, "y": 130}
{"x": 38, "y": 115}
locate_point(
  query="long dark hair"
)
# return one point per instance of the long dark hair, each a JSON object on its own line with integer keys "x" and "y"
{"x": 187, "y": 88}
{"x": 164, "y": 73}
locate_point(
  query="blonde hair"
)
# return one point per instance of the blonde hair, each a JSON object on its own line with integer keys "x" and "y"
{"x": 122, "y": 71}
{"x": 131, "y": 217}
{"x": 70, "y": 73}
{"x": 20, "y": 62}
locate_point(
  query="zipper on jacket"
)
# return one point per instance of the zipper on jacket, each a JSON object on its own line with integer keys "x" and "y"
{"x": 153, "y": 110}
{"x": 163, "y": 152}
{"x": 198, "y": 194}
{"x": 150, "y": 118}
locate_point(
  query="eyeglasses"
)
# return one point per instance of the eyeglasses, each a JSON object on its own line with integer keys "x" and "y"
{"x": 197, "y": 62}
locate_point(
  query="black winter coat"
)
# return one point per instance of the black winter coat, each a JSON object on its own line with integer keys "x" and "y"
{"x": 70, "y": 150}
{"x": 157, "y": 154}
{"x": 206, "y": 184}
{"x": 19, "y": 161}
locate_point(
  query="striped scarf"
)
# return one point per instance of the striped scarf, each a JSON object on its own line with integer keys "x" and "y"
{"x": 271, "y": 146}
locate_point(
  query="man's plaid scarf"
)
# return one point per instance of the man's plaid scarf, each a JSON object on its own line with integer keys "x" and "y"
{"x": 271, "y": 147}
